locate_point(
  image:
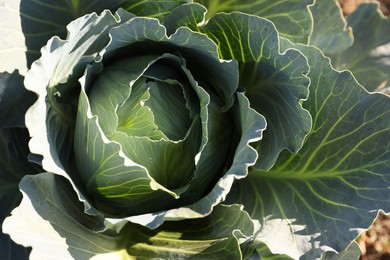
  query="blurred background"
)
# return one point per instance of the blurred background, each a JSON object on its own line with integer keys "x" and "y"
{"x": 349, "y": 6}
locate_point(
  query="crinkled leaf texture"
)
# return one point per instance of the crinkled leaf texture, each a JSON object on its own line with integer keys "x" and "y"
{"x": 57, "y": 201}
{"x": 308, "y": 204}
{"x": 292, "y": 18}
{"x": 139, "y": 30}
{"x": 275, "y": 83}
{"x": 27, "y": 25}
{"x": 320, "y": 198}
{"x": 52, "y": 213}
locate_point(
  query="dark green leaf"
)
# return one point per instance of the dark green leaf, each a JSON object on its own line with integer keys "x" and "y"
{"x": 195, "y": 49}
{"x": 368, "y": 57}
{"x": 275, "y": 83}
{"x": 292, "y": 18}
{"x": 13, "y": 166}
{"x": 10, "y": 250}
{"x": 50, "y": 212}
{"x": 14, "y": 100}
{"x": 226, "y": 233}
{"x": 51, "y": 119}
{"x": 330, "y": 32}
{"x": 51, "y": 204}
{"x": 28, "y": 25}
{"x": 322, "y": 197}
{"x": 152, "y": 8}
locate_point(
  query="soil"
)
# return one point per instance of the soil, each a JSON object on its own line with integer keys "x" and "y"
{"x": 375, "y": 242}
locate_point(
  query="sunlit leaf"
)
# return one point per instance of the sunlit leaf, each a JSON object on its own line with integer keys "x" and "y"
{"x": 320, "y": 198}
{"x": 48, "y": 219}
{"x": 274, "y": 82}
{"x": 291, "y": 17}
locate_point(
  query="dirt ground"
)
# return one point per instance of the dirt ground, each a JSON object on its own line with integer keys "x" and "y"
{"x": 375, "y": 243}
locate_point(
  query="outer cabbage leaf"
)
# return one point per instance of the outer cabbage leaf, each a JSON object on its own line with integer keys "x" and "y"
{"x": 27, "y": 25}
{"x": 14, "y": 164}
{"x": 188, "y": 15}
{"x": 352, "y": 252}
{"x": 152, "y": 8}
{"x": 322, "y": 197}
{"x": 249, "y": 122}
{"x": 369, "y": 56}
{"x": 266, "y": 254}
{"x": 50, "y": 121}
{"x": 14, "y": 100}
{"x": 51, "y": 140}
{"x": 51, "y": 213}
{"x": 274, "y": 82}
{"x": 292, "y": 18}
{"x": 330, "y": 32}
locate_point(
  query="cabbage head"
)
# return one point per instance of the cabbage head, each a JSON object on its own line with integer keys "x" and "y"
{"x": 175, "y": 130}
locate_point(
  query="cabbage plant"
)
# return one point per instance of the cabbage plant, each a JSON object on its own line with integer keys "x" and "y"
{"x": 191, "y": 129}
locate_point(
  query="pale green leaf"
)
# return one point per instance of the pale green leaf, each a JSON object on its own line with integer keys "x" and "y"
{"x": 114, "y": 112}
{"x": 266, "y": 254}
{"x": 50, "y": 213}
{"x": 200, "y": 53}
{"x": 195, "y": 49}
{"x": 275, "y": 82}
{"x": 320, "y": 198}
{"x": 165, "y": 98}
{"x": 226, "y": 233}
{"x": 134, "y": 118}
{"x": 188, "y": 15}
{"x": 292, "y": 18}
{"x": 51, "y": 122}
{"x": 52, "y": 216}
{"x": 368, "y": 57}
{"x": 27, "y": 25}
{"x": 118, "y": 185}
{"x": 158, "y": 106}
{"x": 330, "y": 32}
{"x": 51, "y": 119}
{"x": 352, "y": 252}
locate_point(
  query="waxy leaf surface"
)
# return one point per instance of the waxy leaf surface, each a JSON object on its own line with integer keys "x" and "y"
{"x": 322, "y": 197}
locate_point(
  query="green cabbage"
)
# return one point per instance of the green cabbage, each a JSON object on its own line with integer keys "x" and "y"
{"x": 174, "y": 129}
